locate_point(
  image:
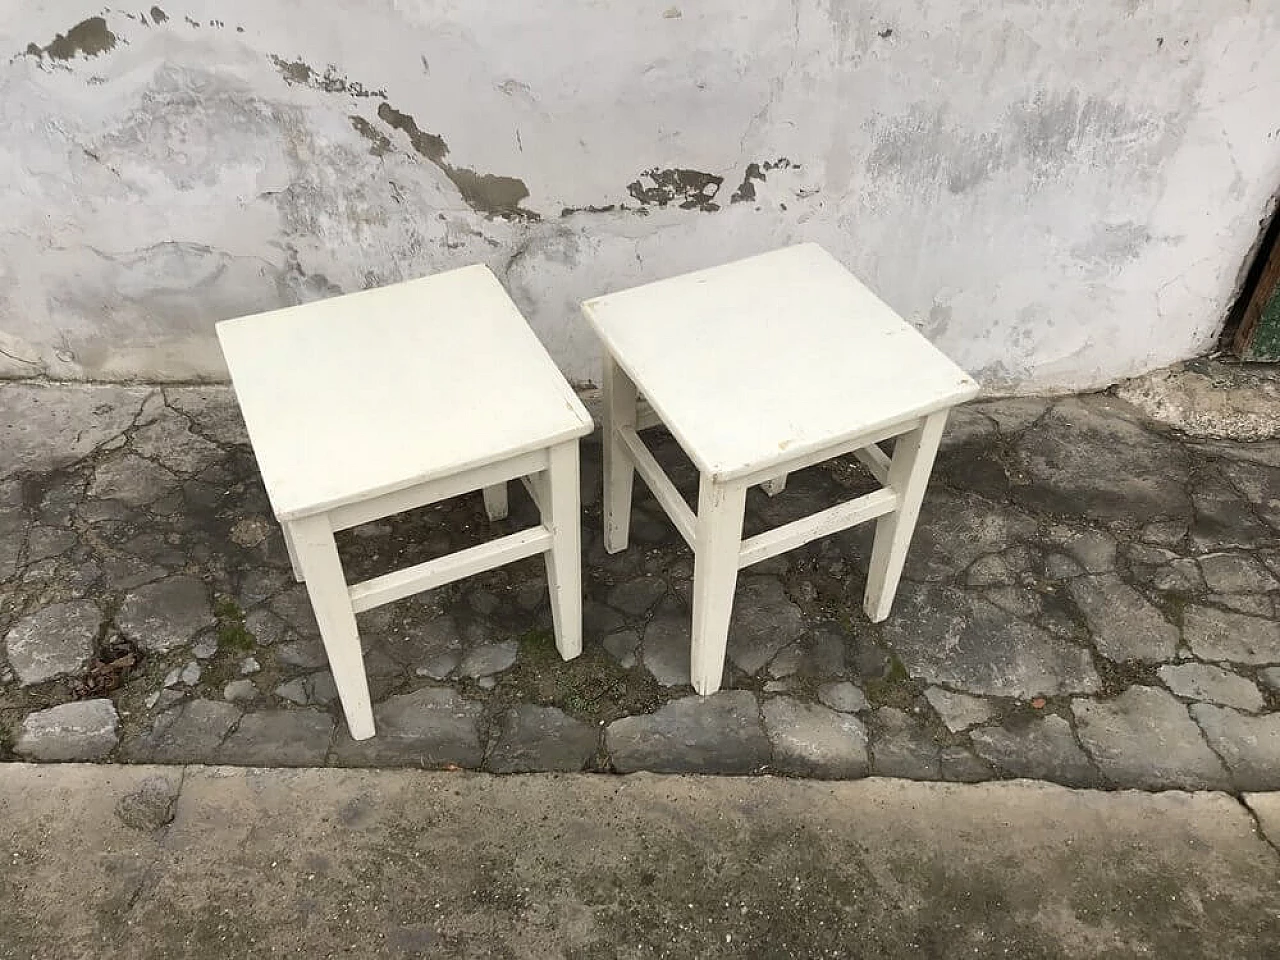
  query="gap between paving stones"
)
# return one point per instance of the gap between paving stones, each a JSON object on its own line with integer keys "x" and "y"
{"x": 1011, "y": 529}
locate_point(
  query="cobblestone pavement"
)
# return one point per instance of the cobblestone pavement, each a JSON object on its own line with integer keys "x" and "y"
{"x": 1090, "y": 600}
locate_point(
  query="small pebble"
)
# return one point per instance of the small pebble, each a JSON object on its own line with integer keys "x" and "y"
{"x": 248, "y": 666}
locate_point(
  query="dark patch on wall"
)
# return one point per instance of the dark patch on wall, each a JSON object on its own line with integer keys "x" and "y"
{"x": 158, "y": 15}
{"x": 90, "y": 37}
{"x": 494, "y": 195}
{"x": 301, "y": 74}
{"x": 429, "y": 145}
{"x": 379, "y": 142}
{"x": 591, "y": 208}
{"x": 194, "y": 23}
{"x": 690, "y": 189}
{"x": 758, "y": 171}
{"x": 885, "y": 34}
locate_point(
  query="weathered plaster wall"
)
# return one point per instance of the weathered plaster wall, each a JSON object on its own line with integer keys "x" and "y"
{"x": 1058, "y": 194}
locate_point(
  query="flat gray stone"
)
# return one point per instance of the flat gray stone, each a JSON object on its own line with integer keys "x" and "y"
{"x": 842, "y": 696}
{"x": 45, "y": 542}
{"x": 431, "y": 727}
{"x": 249, "y": 666}
{"x": 213, "y": 410}
{"x": 1093, "y": 549}
{"x": 943, "y": 636}
{"x": 168, "y": 440}
{"x": 957, "y": 710}
{"x": 1205, "y": 682}
{"x": 151, "y": 806}
{"x": 47, "y": 426}
{"x": 1236, "y": 573}
{"x": 1087, "y": 458}
{"x": 206, "y": 648}
{"x": 764, "y": 621}
{"x": 1041, "y": 748}
{"x": 166, "y": 614}
{"x": 1247, "y": 603}
{"x": 719, "y": 734}
{"x": 1271, "y": 677}
{"x": 902, "y": 747}
{"x": 1165, "y": 533}
{"x": 989, "y": 571}
{"x": 1234, "y": 637}
{"x": 955, "y": 529}
{"x": 239, "y": 690}
{"x": 534, "y": 739}
{"x": 190, "y": 674}
{"x": 1144, "y": 738}
{"x": 267, "y": 628}
{"x": 819, "y": 653}
{"x": 293, "y": 606}
{"x": 295, "y": 691}
{"x": 488, "y": 659}
{"x": 622, "y": 646}
{"x": 814, "y": 741}
{"x": 1224, "y": 520}
{"x": 437, "y": 666}
{"x": 666, "y": 649}
{"x": 598, "y": 620}
{"x": 279, "y": 738}
{"x": 1250, "y": 746}
{"x": 131, "y": 480}
{"x": 1260, "y": 483}
{"x": 1012, "y": 414}
{"x": 189, "y": 733}
{"x": 960, "y": 765}
{"x": 637, "y": 596}
{"x": 1124, "y": 625}
{"x": 323, "y": 690}
{"x": 56, "y": 641}
{"x": 1266, "y": 807}
{"x": 84, "y": 730}
{"x": 307, "y": 654}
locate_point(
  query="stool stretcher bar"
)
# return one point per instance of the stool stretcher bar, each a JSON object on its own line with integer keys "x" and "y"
{"x": 435, "y": 573}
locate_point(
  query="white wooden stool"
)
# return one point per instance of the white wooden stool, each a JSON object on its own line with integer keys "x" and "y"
{"x": 367, "y": 405}
{"x": 758, "y": 368}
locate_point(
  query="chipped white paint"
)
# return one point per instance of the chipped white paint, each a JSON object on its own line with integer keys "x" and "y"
{"x": 1058, "y": 196}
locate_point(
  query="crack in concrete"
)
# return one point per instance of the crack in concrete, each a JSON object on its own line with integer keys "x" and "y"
{"x": 1257, "y": 825}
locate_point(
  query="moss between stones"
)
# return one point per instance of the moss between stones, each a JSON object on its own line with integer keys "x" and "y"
{"x": 232, "y": 633}
{"x": 592, "y": 687}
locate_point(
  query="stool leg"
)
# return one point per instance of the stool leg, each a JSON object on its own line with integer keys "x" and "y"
{"x": 561, "y": 513}
{"x": 717, "y": 544}
{"x": 293, "y": 552}
{"x": 327, "y": 587}
{"x": 619, "y": 471}
{"x": 913, "y": 455}
{"x": 775, "y": 486}
{"x": 495, "y": 501}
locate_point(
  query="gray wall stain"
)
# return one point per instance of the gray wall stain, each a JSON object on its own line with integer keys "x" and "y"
{"x": 688, "y": 189}
{"x": 89, "y": 37}
{"x": 331, "y": 81}
{"x": 379, "y": 142}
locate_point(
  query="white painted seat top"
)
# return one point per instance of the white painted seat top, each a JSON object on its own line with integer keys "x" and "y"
{"x": 761, "y": 360}
{"x": 372, "y": 392}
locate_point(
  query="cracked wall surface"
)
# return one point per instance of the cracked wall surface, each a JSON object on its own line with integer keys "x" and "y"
{"x": 1058, "y": 198}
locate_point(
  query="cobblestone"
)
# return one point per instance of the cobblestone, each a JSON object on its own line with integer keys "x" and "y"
{"x": 1067, "y": 550}
{"x": 86, "y": 730}
{"x": 55, "y": 641}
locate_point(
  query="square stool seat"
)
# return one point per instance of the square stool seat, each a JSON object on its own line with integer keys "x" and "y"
{"x": 761, "y": 367}
{"x": 370, "y": 404}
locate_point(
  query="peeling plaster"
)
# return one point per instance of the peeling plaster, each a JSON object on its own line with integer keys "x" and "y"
{"x": 88, "y": 37}
{"x": 1069, "y": 204}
